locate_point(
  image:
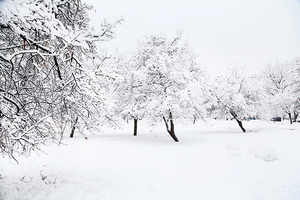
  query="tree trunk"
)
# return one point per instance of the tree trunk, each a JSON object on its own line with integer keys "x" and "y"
{"x": 58, "y": 70}
{"x": 135, "y": 127}
{"x": 171, "y": 131}
{"x": 290, "y": 118}
{"x": 240, "y": 124}
{"x": 295, "y": 116}
{"x": 238, "y": 121}
{"x": 73, "y": 127}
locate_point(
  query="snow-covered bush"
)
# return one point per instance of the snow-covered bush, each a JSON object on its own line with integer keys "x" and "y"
{"x": 265, "y": 153}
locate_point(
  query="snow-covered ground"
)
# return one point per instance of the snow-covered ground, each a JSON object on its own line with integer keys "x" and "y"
{"x": 213, "y": 160}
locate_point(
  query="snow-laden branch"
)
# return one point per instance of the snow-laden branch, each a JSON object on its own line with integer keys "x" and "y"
{"x": 12, "y": 102}
{"x": 5, "y": 58}
{"x": 32, "y": 42}
{"x": 10, "y": 47}
{"x": 9, "y": 58}
{"x": 32, "y": 127}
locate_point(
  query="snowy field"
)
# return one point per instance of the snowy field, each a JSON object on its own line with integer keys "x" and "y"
{"x": 213, "y": 160}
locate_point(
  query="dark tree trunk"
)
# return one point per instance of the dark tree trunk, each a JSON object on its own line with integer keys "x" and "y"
{"x": 135, "y": 127}
{"x": 240, "y": 125}
{"x": 290, "y": 118}
{"x": 238, "y": 121}
{"x": 171, "y": 131}
{"x": 295, "y": 116}
{"x": 73, "y": 127}
{"x": 58, "y": 70}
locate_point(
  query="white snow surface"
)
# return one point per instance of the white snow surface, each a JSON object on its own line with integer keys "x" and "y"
{"x": 213, "y": 160}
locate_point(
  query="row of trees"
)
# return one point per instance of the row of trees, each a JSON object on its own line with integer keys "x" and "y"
{"x": 53, "y": 78}
{"x": 161, "y": 81}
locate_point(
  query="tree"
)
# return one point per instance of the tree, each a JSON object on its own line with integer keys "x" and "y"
{"x": 233, "y": 95}
{"x": 127, "y": 98}
{"x": 48, "y": 76}
{"x": 281, "y": 86}
{"x": 165, "y": 82}
{"x": 296, "y": 84}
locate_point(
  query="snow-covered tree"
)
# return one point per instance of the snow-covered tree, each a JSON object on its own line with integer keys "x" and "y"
{"x": 282, "y": 87}
{"x": 296, "y": 85}
{"x": 129, "y": 101}
{"x": 164, "y": 82}
{"x": 233, "y": 96}
{"x": 48, "y": 76}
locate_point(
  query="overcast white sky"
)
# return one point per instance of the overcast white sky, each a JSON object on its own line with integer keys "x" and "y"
{"x": 220, "y": 31}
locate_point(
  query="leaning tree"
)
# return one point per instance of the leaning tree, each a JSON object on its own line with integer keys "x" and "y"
{"x": 233, "y": 96}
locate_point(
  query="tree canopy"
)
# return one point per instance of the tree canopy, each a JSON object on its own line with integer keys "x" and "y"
{"x": 163, "y": 82}
{"x": 48, "y": 65}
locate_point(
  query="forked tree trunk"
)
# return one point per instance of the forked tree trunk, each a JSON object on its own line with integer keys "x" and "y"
{"x": 290, "y": 118}
{"x": 73, "y": 127}
{"x": 135, "y": 127}
{"x": 238, "y": 121}
{"x": 171, "y": 131}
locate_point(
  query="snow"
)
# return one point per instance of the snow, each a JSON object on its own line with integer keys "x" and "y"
{"x": 213, "y": 160}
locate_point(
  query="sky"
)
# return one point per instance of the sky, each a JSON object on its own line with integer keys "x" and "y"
{"x": 219, "y": 31}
